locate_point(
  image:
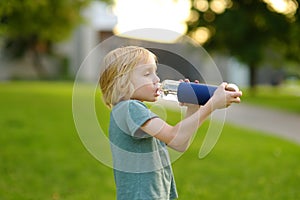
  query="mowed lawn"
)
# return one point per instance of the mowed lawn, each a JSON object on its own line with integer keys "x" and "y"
{"x": 42, "y": 157}
{"x": 285, "y": 97}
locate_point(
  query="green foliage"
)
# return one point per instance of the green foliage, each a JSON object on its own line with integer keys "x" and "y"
{"x": 48, "y": 20}
{"x": 35, "y": 25}
{"x": 247, "y": 29}
{"x": 42, "y": 156}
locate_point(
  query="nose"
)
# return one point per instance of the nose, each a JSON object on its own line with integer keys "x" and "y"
{"x": 156, "y": 79}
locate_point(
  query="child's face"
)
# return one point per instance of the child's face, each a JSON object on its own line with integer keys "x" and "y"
{"x": 145, "y": 81}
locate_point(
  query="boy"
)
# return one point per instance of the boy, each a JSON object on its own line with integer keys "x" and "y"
{"x": 138, "y": 137}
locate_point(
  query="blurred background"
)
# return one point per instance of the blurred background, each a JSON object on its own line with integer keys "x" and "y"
{"x": 254, "y": 43}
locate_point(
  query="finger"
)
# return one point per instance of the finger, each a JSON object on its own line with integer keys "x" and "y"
{"x": 235, "y": 94}
{"x": 232, "y": 87}
{"x": 236, "y": 100}
{"x": 223, "y": 85}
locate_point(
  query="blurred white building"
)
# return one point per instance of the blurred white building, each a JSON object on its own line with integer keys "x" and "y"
{"x": 100, "y": 23}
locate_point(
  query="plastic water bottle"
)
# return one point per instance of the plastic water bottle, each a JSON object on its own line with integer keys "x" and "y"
{"x": 189, "y": 92}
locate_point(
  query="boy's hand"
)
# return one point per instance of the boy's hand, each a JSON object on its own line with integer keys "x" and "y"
{"x": 223, "y": 98}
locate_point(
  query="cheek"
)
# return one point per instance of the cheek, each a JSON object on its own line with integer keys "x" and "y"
{"x": 135, "y": 79}
{"x": 137, "y": 84}
{"x": 141, "y": 83}
{"x": 148, "y": 88}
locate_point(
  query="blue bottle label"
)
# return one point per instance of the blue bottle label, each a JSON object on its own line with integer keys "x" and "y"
{"x": 195, "y": 93}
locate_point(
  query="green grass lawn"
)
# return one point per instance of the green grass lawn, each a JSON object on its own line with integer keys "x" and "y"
{"x": 285, "y": 97}
{"x": 42, "y": 157}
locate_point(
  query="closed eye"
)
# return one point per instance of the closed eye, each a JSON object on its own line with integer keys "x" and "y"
{"x": 147, "y": 74}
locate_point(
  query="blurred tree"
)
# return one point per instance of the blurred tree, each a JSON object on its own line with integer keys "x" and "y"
{"x": 246, "y": 29}
{"x": 34, "y": 25}
{"x": 293, "y": 45}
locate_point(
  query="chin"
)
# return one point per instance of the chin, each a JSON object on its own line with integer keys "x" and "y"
{"x": 153, "y": 100}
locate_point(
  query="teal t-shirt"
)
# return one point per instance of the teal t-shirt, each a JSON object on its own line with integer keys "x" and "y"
{"x": 142, "y": 167}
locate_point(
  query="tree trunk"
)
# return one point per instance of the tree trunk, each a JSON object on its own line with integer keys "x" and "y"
{"x": 38, "y": 65}
{"x": 253, "y": 79}
{"x": 37, "y": 49}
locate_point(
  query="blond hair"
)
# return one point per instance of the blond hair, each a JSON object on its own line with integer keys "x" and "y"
{"x": 115, "y": 80}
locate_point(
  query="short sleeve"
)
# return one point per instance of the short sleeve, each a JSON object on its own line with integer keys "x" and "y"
{"x": 130, "y": 115}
